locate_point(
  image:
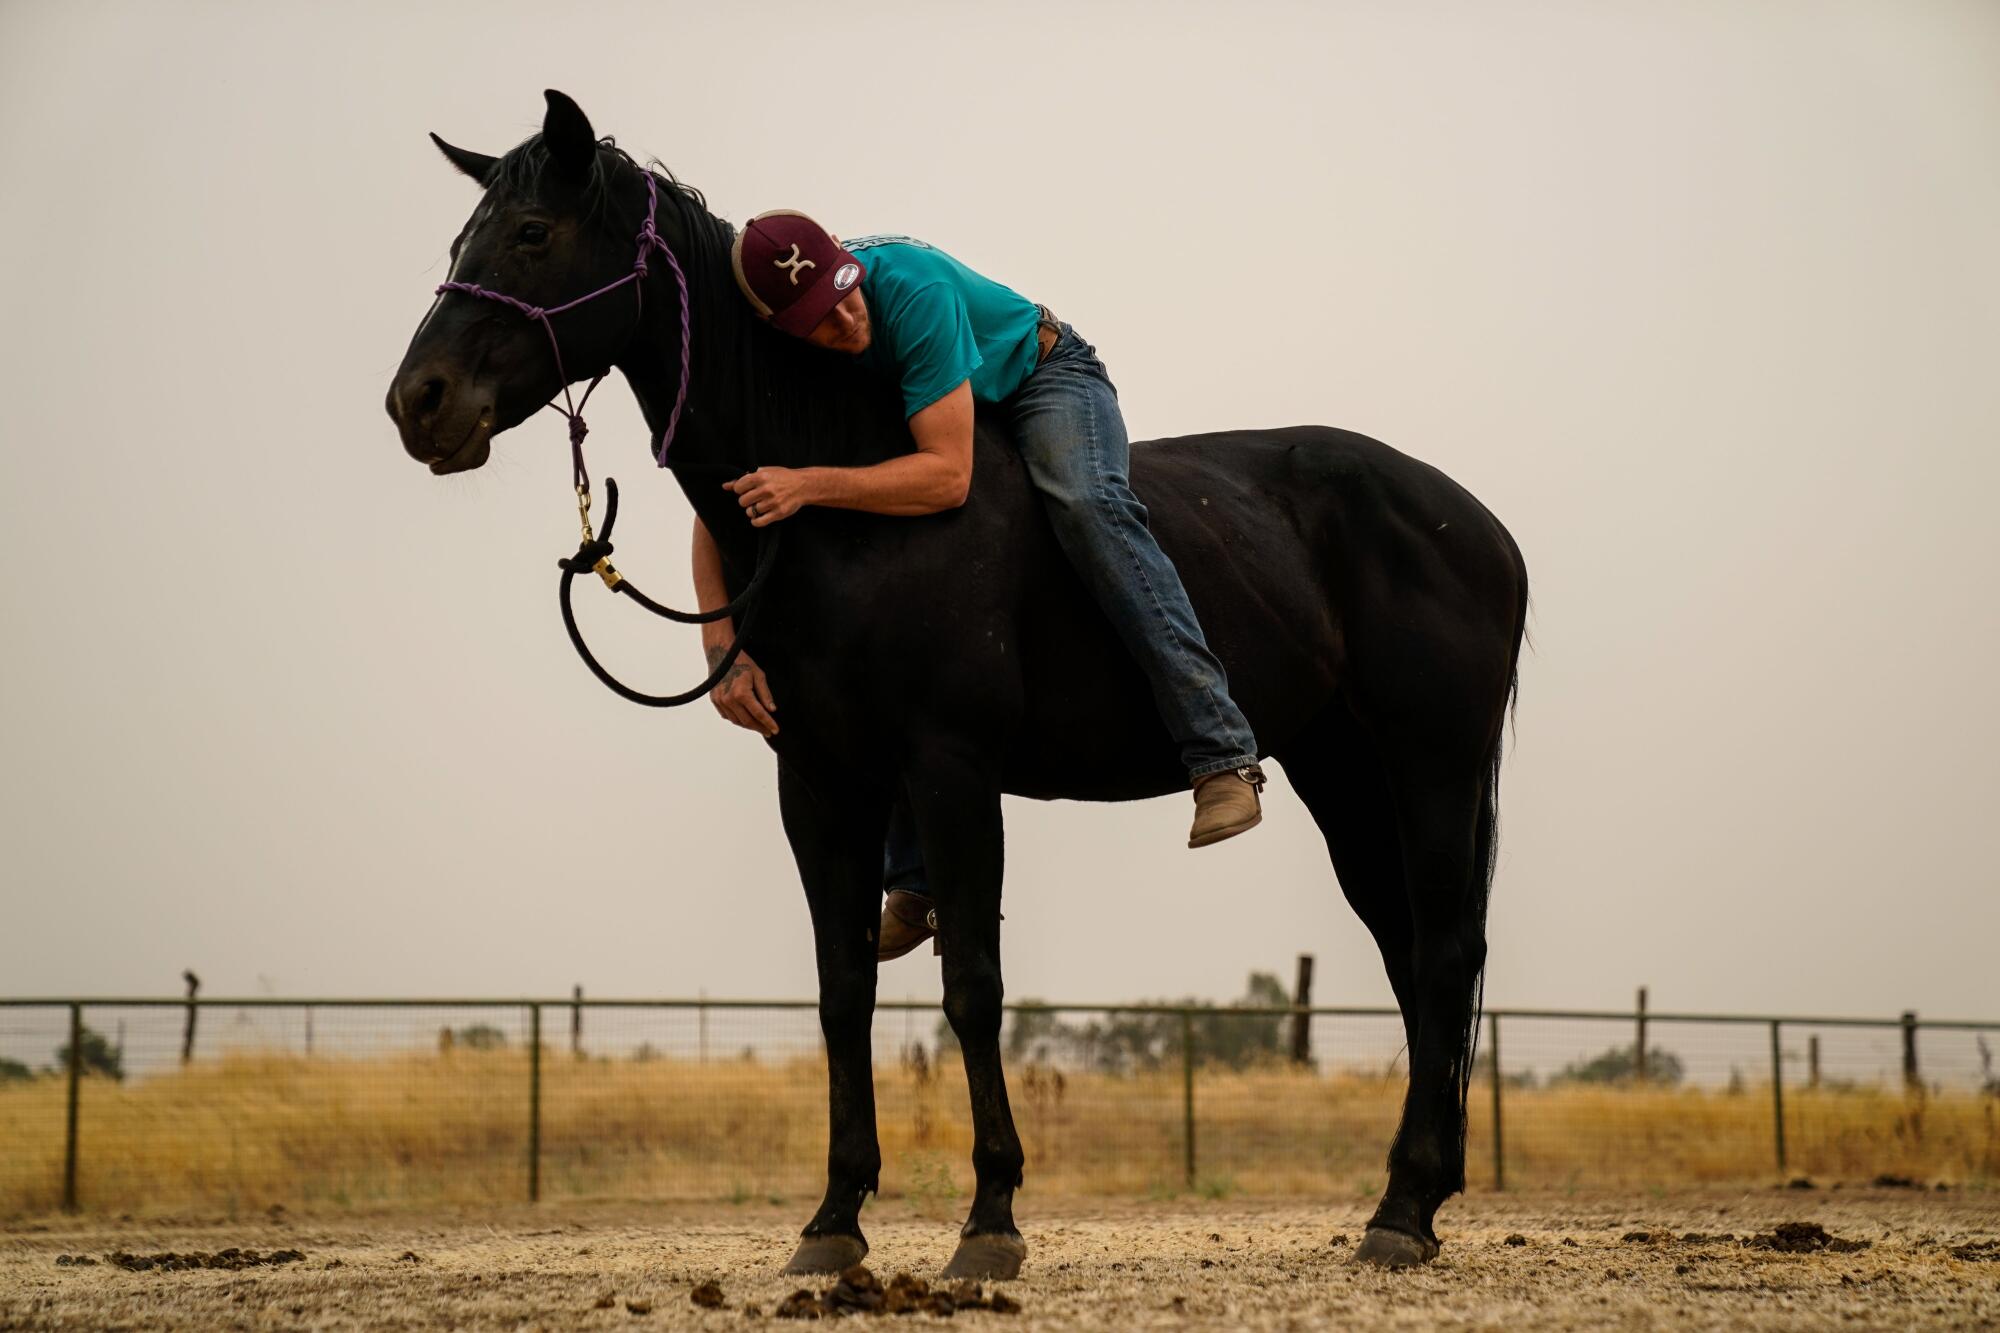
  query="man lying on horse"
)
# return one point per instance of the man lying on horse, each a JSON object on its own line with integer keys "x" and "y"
{"x": 949, "y": 337}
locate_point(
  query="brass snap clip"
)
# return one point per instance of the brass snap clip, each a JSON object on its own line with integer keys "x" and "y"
{"x": 612, "y": 578}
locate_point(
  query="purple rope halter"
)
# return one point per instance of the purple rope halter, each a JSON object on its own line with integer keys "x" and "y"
{"x": 649, "y": 240}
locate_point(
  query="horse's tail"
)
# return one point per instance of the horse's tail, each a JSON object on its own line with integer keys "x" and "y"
{"x": 1486, "y": 841}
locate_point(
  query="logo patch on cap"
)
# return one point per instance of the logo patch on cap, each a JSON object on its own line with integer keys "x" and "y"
{"x": 844, "y": 276}
{"x": 792, "y": 264}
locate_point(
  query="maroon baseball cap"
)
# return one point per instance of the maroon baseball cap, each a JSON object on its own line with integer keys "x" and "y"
{"x": 792, "y": 270}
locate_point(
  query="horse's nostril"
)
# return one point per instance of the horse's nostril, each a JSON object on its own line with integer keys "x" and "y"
{"x": 431, "y": 398}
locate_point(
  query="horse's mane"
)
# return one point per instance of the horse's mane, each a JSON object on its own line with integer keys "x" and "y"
{"x": 786, "y": 401}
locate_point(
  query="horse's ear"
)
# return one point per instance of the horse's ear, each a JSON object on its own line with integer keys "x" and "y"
{"x": 566, "y": 133}
{"x": 476, "y": 165}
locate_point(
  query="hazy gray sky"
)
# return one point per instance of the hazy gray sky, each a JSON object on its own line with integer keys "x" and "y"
{"x": 1703, "y": 299}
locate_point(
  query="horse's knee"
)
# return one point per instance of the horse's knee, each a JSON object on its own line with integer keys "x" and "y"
{"x": 845, "y": 1009}
{"x": 972, "y": 1004}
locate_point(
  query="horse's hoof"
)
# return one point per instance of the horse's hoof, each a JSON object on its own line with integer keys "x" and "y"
{"x": 1393, "y": 1249}
{"x": 988, "y": 1256}
{"x": 827, "y": 1254}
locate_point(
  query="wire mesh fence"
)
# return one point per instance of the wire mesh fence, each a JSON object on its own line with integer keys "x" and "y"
{"x": 240, "y": 1104}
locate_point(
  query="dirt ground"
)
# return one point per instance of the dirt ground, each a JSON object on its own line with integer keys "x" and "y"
{"x": 1510, "y": 1262}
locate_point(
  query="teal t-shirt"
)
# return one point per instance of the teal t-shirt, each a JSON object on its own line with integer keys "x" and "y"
{"x": 938, "y": 324}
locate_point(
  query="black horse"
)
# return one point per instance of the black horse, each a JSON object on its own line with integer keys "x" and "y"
{"x": 1368, "y": 609}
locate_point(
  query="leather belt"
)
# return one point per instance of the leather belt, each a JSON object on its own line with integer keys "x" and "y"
{"x": 1047, "y": 329}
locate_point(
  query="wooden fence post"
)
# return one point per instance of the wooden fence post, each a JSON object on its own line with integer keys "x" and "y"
{"x": 1302, "y": 998}
{"x": 75, "y": 1081}
{"x": 1639, "y": 1047}
{"x": 576, "y": 1022}
{"x": 1499, "y": 1140}
{"x": 1187, "y": 1094}
{"x": 1778, "y": 1094}
{"x": 1812, "y": 1061}
{"x": 534, "y": 1103}
{"x": 1913, "y": 1080}
{"x": 187, "y": 1031}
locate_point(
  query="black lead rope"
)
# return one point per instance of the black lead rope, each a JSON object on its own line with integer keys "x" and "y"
{"x": 593, "y": 556}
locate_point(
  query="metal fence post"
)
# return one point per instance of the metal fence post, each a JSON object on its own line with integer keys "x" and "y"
{"x": 1778, "y": 1093}
{"x": 1187, "y": 1093}
{"x": 1302, "y": 998}
{"x": 75, "y": 1080}
{"x": 534, "y": 1103}
{"x": 1639, "y": 1049}
{"x": 187, "y": 1032}
{"x": 1499, "y": 1158}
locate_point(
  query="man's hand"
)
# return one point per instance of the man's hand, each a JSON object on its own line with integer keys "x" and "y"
{"x": 744, "y": 696}
{"x": 772, "y": 493}
{"x": 935, "y": 477}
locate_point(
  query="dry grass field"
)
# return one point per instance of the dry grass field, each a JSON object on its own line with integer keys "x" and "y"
{"x": 235, "y": 1135}
{"x": 1905, "y": 1259}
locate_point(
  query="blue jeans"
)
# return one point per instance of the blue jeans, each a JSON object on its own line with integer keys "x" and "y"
{"x": 1072, "y": 437}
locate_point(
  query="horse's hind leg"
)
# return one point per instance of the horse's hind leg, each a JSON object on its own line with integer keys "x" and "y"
{"x": 1408, "y": 822}
{"x": 1337, "y": 772}
{"x": 836, "y": 833}
{"x": 1438, "y": 818}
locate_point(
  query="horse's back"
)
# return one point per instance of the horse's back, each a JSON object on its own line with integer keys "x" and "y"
{"x": 1276, "y": 535}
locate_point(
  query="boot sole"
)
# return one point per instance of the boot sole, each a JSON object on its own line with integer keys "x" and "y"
{"x": 1214, "y": 836}
{"x": 883, "y": 957}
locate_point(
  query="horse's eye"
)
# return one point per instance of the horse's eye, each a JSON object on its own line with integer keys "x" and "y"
{"x": 534, "y": 233}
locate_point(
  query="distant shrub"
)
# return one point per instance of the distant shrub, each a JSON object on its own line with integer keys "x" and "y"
{"x": 1620, "y": 1064}
{"x": 13, "y": 1071}
{"x": 95, "y": 1054}
{"x": 480, "y": 1037}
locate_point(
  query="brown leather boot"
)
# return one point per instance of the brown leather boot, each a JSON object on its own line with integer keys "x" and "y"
{"x": 1226, "y": 804}
{"x": 908, "y": 919}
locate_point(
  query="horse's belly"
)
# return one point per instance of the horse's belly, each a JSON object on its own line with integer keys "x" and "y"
{"x": 1089, "y": 728}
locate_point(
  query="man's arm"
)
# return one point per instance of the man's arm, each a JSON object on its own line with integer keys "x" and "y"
{"x": 743, "y": 696}
{"x": 938, "y": 476}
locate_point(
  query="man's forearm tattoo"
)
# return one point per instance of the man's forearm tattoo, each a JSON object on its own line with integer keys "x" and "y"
{"x": 715, "y": 655}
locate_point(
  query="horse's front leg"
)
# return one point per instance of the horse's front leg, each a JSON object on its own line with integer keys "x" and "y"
{"x": 836, "y": 831}
{"x": 956, "y": 802}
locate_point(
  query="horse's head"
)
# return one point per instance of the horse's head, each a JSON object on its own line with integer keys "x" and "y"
{"x": 549, "y": 228}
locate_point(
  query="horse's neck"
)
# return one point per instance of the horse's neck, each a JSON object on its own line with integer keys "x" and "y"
{"x": 705, "y": 449}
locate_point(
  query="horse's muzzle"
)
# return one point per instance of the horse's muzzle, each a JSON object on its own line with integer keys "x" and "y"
{"x": 443, "y": 426}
